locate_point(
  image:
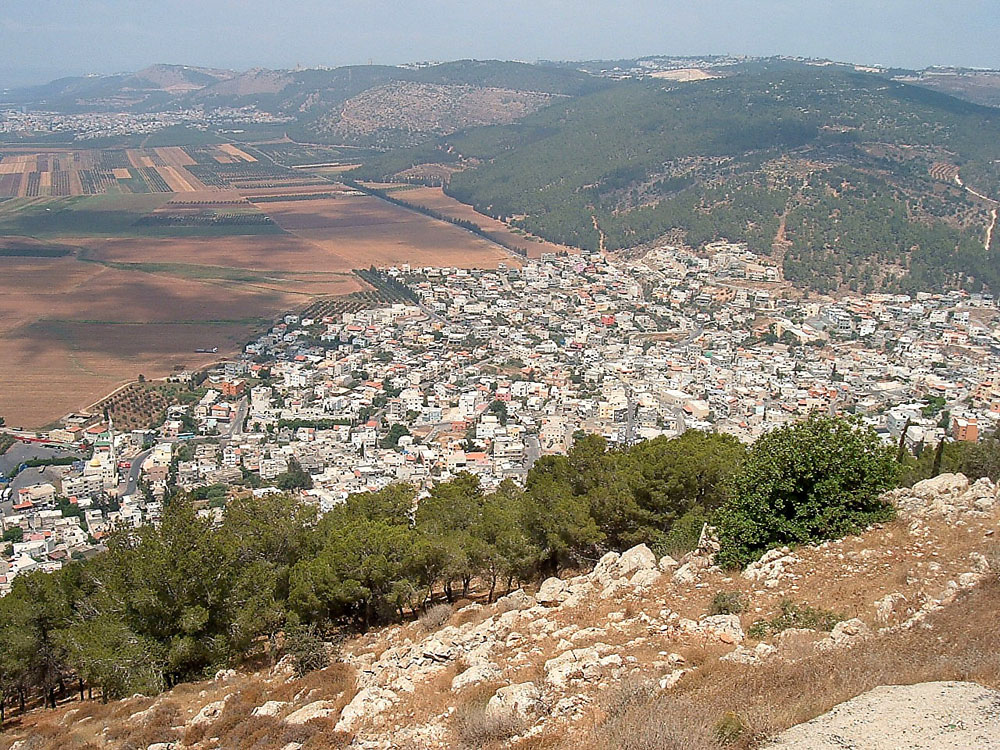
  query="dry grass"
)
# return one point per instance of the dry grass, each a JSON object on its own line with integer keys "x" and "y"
{"x": 435, "y": 617}
{"x": 474, "y": 728}
{"x": 157, "y": 726}
{"x": 746, "y": 705}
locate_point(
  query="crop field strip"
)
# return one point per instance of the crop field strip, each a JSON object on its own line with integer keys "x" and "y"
{"x": 172, "y": 169}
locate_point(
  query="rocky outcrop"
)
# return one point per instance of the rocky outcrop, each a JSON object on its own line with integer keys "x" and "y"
{"x": 310, "y": 711}
{"x": 771, "y": 567}
{"x": 947, "y": 495}
{"x": 210, "y": 712}
{"x": 521, "y": 701}
{"x": 368, "y": 703}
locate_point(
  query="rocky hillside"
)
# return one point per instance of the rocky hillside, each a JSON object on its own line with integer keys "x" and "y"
{"x": 410, "y": 112}
{"x": 639, "y": 652}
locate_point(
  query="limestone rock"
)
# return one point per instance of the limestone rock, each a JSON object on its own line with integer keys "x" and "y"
{"x": 771, "y": 566}
{"x": 515, "y": 600}
{"x": 644, "y": 578}
{"x": 889, "y": 607}
{"x": 474, "y": 675}
{"x": 606, "y": 569}
{"x": 366, "y": 704}
{"x": 551, "y": 592}
{"x": 270, "y": 708}
{"x": 314, "y": 710}
{"x": 848, "y": 630}
{"x": 639, "y": 557}
{"x": 522, "y": 700}
{"x": 672, "y": 679}
{"x": 574, "y": 664}
{"x": 209, "y": 712}
{"x": 726, "y": 627}
{"x": 666, "y": 564}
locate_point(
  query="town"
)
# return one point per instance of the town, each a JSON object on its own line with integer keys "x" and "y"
{"x": 89, "y": 126}
{"x": 484, "y": 371}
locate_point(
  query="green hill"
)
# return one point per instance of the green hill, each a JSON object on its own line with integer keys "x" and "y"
{"x": 856, "y": 171}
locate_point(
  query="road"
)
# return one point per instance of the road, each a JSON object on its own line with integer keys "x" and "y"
{"x": 19, "y": 453}
{"x": 532, "y": 451}
{"x": 236, "y": 426}
{"x": 234, "y": 431}
{"x": 132, "y": 480}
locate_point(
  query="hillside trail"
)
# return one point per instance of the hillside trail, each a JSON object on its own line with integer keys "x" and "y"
{"x": 600, "y": 234}
{"x": 993, "y": 214}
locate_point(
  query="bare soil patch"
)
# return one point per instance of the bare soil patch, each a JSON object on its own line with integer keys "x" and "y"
{"x": 366, "y": 230}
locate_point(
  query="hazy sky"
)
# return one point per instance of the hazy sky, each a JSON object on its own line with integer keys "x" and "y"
{"x": 40, "y": 39}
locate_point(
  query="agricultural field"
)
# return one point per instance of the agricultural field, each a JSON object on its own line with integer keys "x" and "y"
{"x": 297, "y": 155}
{"x": 101, "y": 288}
{"x": 28, "y": 173}
{"x": 365, "y": 230}
{"x": 435, "y": 199}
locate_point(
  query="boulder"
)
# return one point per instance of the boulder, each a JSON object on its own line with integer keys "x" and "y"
{"x": 522, "y": 700}
{"x": 574, "y": 664}
{"x": 644, "y": 578}
{"x": 515, "y": 600}
{"x": 686, "y": 573}
{"x": 314, "y": 710}
{"x": 943, "y": 484}
{"x": 366, "y": 704}
{"x": 437, "y": 651}
{"x": 474, "y": 675}
{"x": 606, "y": 569}
{"x": 270, "y": 708}
{"x": 845, "y": 634}
{"x": 638, "y": 558}
{"x": 726, "y": 627}
{"x": 667, "y": 563}
{"x": 210, "y": 712}
{"x": 889, "y": 608}
{"x": 744, "y": 655}
{"x": 551, "y": 592}
{"x": 770, "y": 567}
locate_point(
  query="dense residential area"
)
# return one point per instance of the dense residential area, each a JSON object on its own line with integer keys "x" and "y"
{"x": 484, "y": 372}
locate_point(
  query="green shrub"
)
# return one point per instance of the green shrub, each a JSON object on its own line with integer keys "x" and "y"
{"x": 816, "y": 480}
{"x": 307, "y": 649}
{"x": 727, "y": 603}
{"x": 795, "y": 616}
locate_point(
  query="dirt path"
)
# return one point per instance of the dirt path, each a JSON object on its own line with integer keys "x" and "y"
{"x": 993, "y": 214}
{"x": 600, "y": 234}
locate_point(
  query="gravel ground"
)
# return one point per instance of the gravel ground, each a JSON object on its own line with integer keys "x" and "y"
{"x": 928, "y": 716}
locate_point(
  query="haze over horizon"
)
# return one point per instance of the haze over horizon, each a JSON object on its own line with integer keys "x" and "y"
{"x": 49, "y": 39}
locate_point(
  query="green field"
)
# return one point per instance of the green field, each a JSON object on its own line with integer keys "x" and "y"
{"x": 106, "y": 216}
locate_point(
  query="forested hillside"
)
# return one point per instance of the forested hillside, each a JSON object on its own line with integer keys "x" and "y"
{"x": 849, "y": 177}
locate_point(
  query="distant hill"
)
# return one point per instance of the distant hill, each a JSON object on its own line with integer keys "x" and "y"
{"x": 357, "y": 105}
{"x": 848, "y": 178}
{"x": 977, "y": 86}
